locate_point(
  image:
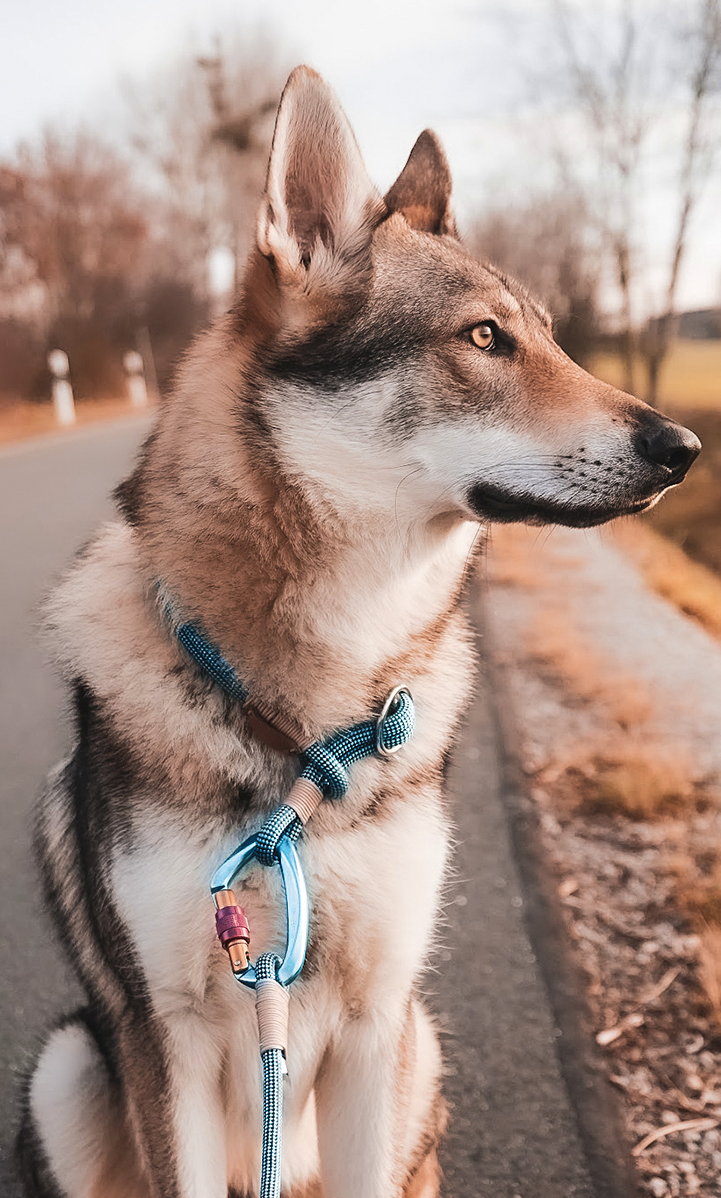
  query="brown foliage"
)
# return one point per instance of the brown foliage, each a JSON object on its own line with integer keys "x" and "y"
{"x": 20, "y": 356}
{"x": 545, "y": 243}
{"x": 73, "y": 214}
{"x": 80, "y": 249}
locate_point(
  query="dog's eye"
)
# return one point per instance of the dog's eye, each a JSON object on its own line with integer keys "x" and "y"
{"x": 483, "y": 336}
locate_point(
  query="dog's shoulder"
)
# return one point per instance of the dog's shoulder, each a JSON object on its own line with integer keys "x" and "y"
{"x": 99, "y": 608}
{"x": 106, "y": 632}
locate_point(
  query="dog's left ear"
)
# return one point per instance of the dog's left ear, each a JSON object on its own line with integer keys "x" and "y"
{"x": 422, "y": 191}
{"x": 319, "y": 210}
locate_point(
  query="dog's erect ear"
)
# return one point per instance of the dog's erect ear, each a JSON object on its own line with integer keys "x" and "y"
{"x": 422, "y": 191}
{"x": 319, "y": 209}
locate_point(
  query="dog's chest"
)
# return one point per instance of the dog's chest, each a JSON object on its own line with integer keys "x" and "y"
{"x": 373, "y": 889}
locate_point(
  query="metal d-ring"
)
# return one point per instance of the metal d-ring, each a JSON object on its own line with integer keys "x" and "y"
{"x": 297, "y": 911}
{"x": 387, "y": 709}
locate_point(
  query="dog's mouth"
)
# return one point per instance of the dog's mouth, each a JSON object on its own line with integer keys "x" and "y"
{"x": 502, "y": 507}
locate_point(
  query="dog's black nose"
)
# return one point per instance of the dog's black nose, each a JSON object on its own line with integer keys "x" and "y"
{"x": 668, "y": 444}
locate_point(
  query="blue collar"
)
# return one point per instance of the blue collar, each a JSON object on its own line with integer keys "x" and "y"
{"x": 326, "y": 761}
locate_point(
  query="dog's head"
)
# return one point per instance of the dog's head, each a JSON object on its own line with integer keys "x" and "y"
{"x": 396, "y": 373}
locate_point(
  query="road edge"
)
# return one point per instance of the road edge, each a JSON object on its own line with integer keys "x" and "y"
{"x": 599, "y": 1116}
{"x": 76, "y": 432}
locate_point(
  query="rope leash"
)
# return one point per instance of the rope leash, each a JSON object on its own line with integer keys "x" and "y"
{"x": 271, "y": 1005}
{"x": 325, "y": 774}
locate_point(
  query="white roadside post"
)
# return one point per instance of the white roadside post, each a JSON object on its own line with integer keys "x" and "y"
{"x": 137, "y": 390}
{"x": 63, "y": 401}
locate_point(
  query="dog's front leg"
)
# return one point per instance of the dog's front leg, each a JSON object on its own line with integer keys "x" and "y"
{"x": 172, "y": 1072}
{"x": 368, "y": 1083}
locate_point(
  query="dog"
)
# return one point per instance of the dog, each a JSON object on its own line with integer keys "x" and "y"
{"x": 310, "y": 496}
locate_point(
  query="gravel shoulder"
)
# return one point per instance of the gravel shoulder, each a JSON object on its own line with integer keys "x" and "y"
{"x": 615, "y": 698}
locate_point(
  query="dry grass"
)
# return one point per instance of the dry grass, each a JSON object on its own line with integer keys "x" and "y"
{"x": 636, "y": 779}
{"x": 670, "y": 572}
{"x": 691, "y": 376}
{"x": 698, "y": 889}
{"x": 22, "y": 420}
{"x": 698, "y": 894}
{"x": 623, "y": 773}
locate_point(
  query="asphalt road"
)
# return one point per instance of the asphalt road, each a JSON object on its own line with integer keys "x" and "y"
{"x": 53, "y": 492}
{"x": 513, "y": 1133}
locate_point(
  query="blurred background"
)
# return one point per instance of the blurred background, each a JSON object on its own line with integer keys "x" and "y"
{"x": 583, "y": 138}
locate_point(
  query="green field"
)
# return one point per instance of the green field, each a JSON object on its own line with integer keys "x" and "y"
{"x": 691, "y": 375}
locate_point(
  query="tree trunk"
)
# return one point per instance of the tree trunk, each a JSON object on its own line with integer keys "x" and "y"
{"x": 654, "y": 362}
{"x": 628, "y": 346}
{"x": 627, "y": 357}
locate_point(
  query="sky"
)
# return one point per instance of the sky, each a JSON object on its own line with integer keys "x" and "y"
{"x": 397, "y": 65}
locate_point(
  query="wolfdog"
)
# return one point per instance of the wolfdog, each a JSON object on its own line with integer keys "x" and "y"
{"x": 309, "y": 497}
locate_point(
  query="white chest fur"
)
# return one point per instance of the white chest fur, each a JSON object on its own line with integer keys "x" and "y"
{"x": 374, "y": 893}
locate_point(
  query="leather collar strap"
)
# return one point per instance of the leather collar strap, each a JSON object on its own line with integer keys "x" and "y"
{"x": 269, "y": 728}
{"x": 277, "y": 731}
{"x": 326, "y": 761}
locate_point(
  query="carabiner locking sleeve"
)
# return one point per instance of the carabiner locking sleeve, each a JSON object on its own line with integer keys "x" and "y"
{"x": 297, "y": 910}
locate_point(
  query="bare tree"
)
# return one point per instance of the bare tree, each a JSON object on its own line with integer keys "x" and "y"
{"x": 697, "y": 160}
{"x": 71, "y": 214}
{"x": 74, "y": 234}
{"x": 201, "y": 136}
{"x": 98, "y": 249}
{"x": 548, "y": 244}
{"x": 610, "y": 72}
{"x": 633, "y": 73}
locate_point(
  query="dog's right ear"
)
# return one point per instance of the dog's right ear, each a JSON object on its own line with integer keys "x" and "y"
{"x": 320, "y": 208}
{"x": 422, "y": 191}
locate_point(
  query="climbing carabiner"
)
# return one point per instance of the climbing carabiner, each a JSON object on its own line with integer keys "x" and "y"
{"x": 297, "y": 910}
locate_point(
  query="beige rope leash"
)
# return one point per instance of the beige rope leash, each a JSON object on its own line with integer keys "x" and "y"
{"x": 305, "y": 799}
{"x": 272, "y": 1006}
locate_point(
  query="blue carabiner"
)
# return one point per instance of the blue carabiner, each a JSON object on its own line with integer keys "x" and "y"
{"x": 297, "y": 910}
